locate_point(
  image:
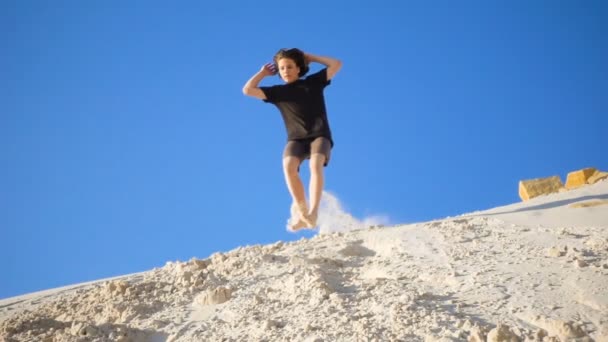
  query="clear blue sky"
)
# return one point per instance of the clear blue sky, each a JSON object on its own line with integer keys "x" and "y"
{"x": 126, "y": 142}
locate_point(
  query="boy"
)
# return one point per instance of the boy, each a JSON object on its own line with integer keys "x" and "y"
{"x": 302, "y": 106}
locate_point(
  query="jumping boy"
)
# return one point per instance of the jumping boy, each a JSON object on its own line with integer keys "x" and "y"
{"x": 302, "y": 106}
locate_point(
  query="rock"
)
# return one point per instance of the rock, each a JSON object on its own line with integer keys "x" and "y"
{"x": 540, "y": 186}
{"x": 568, "y": 330}
{"x": 198, "y": 263}
{"x": 579, "y": 178}
{"x": 502, "y": 333}
{"x": 556, "y": 252}
{"x": 477, "y": 334}
{"x": 116, "y": 288}
{"x": 216, "y": 296}
{"x": 540, "y": 334}
{"x": 562, "y": 330}
{"x": 83, "y": 329}
{"x": 597, "y": 176}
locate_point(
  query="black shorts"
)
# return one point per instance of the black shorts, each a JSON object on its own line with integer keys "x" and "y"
{"x": 303, "y": 148}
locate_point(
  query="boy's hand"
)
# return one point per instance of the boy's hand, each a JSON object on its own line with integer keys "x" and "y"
{"x": 268, "y": 69}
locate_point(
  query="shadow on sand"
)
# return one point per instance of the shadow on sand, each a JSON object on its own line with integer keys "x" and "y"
{"x": 549, "y": 205}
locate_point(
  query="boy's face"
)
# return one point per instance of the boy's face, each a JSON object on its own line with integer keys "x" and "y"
{"x": 288, "y": 70}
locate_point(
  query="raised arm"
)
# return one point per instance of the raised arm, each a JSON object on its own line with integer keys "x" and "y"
{"x": 251, "y": 88}
{"x": 333, "y": 65}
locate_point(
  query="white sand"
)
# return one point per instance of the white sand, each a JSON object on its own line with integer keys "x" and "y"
{"x": 529, "y": 271}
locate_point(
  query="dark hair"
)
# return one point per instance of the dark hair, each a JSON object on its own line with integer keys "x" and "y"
{"x": 294, "y": 54}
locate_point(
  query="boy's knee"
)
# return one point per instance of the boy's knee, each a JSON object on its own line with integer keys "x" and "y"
{"x": 317, "y": 160}
{"x": 291, "y": 165}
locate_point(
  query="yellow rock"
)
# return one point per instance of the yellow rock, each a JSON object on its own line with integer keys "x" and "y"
{"x": 540, "y": 186}
{"x": 597, "y": 176}
{"x": 579, "y": 178}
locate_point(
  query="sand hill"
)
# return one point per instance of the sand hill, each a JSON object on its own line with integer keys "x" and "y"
{"x": 535, "y": 271}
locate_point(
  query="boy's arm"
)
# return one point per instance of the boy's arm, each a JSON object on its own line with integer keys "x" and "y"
{"x": 333, "y": 65}
{"x": 251, "y": 88}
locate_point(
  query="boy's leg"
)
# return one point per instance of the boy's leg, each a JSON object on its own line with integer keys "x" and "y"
{"x": 320, "y": 154}
{"x": 292, "y": 178}
{"x": 293, "y": 154}
{"x": 315, "y": 187}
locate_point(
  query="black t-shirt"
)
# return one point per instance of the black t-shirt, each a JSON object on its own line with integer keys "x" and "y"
{"x": 302, "y": 106}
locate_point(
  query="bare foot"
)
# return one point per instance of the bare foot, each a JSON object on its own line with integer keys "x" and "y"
{"x": 295, "y": 225}
{"x": 297, "y": 220}
{"x": 299, "y": 210}
{"x": 311, "y": 220}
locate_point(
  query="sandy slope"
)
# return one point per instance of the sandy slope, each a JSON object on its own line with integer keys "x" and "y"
{"x": 529, "y": 271}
